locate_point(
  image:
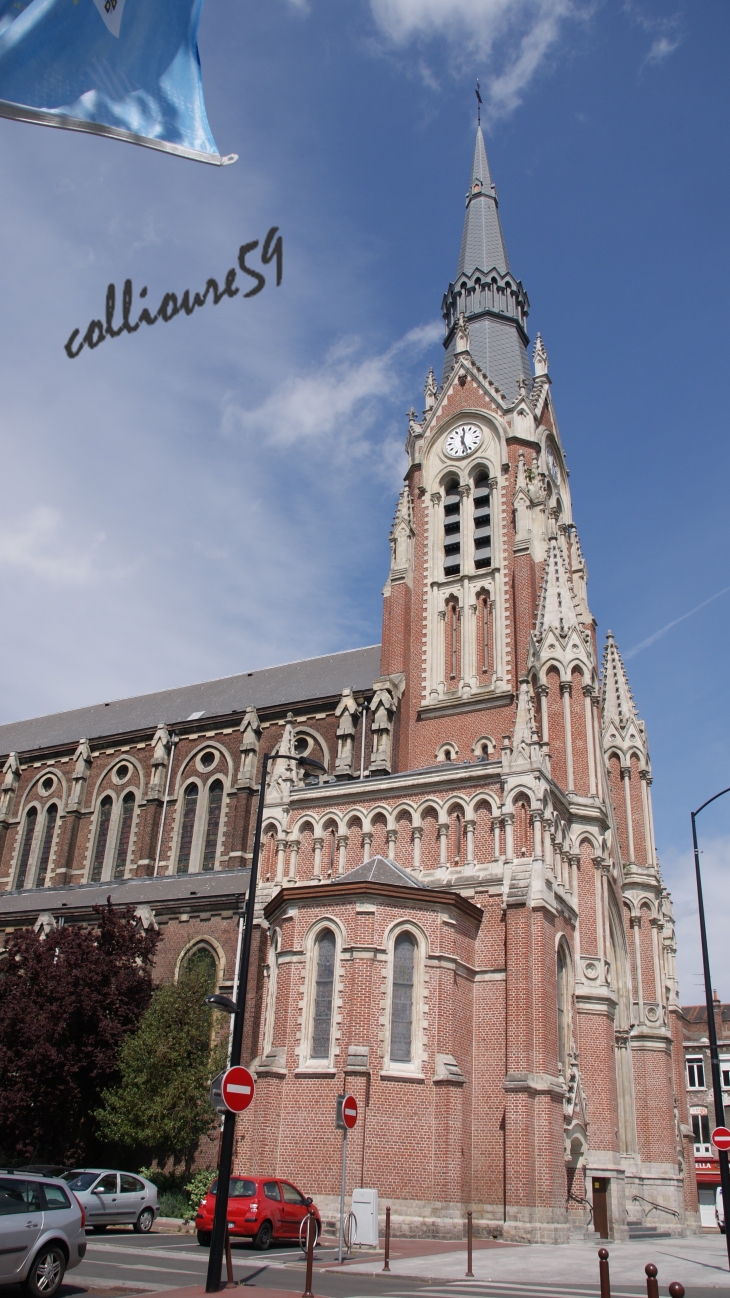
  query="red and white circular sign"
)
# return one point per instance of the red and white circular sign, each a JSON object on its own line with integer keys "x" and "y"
{"x": 349, "y": 1111}
{"x": 237, "y": 1089}
{"x": 721, "y": 1138}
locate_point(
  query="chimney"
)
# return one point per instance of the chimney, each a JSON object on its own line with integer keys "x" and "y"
{"x": 715, "y": 996}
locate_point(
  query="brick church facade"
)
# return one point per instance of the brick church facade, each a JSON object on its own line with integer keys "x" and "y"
{"x": 464, "y": 922}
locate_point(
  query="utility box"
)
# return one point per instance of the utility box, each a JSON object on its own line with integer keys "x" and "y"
{"x": 365, "y": 1209}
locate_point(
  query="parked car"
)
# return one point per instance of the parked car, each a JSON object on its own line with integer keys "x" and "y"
{"x": 114, "y": 1198}
{"x": 260, "y": 1209}
{"x": 41, "y": 1232}
{"x": 719, "y": 1211}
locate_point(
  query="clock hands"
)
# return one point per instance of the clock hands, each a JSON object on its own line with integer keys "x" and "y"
{"x": 463, "y": 443}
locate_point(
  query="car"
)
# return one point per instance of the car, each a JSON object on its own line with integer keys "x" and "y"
{"x": 41, "y": 1232}
{"x": 260, "y": 1208}
{"x": 719, "y": 1211}
{"x": 114, "y": 1198}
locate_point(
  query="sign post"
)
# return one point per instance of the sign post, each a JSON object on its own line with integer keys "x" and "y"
{"x": 345, "y": 1119}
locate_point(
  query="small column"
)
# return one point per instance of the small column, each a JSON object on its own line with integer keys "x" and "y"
{"x": 658, "y": 993}
{"x": 367, "y": 844}
{"x": 496, "y": 828}
{"x": 605, "y": 870}
{"x": 542, "y": 692}
{"x": 600, "y": 927}
{"x": 318, "y": 845}
{"x": 565, "y": 690}
{"x": 648, "y": 837}
{"x": 508, "y": 821}
{"x": 469, "y": 827}
{"x": 536, "y": 817}
{"x": 588, "y": 696}
{"x": 280, "y": 859}
{"x": 293, "y": 854}
{"x": 443, "y": 844}
{"x": 417, "y": 836}
{"x": 574, "y": 863}
{"x": 601, "y": 782}
{"x": 392, "y": 843}
{"x": 649, "y": 782}
{"x": 626, "y": 776}
{"x": 635, "y": 924}
{"x": 342, "y": 853}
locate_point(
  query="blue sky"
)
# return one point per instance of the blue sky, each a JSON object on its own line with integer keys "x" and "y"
{"x": 216, "y": 494}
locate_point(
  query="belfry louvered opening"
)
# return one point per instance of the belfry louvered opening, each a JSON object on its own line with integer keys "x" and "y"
{"x": 482, "y": 523}
{"x": 452, "y": 529}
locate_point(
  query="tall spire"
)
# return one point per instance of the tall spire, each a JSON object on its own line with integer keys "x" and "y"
{"x": 617, "y": 702}
{"x": 494, "y": 303}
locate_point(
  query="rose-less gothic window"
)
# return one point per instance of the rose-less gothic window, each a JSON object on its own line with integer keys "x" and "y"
{"x": 452, "y": 530}
{"x": 102, "y": 834}
{"x": 49, "y": 829}
{"x": 28, "y": 834}
{"x": 482, "y": 523}
{"x": 323, "y": 995}
{"x": 125, "y": 833}
{"x": 190, "y": 806}
{"x": 215, "y": 802}
{"x": 401, "y": 1014}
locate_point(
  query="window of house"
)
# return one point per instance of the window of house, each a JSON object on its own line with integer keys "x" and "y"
{"x": 125, "y": 833}
{"x": 49, "y": 829}
{"x": 323, "y": 995}
{"x": 452, "y": 530}
{"x": 102, "y": 834}
{"x": 190, "y": 807}
{"x": 401, "y": 1014}
{"x": 482, "y": 523}
{"x": 701, "y": 1128}
{"x": 725, "y": 1072}
{"x": 25, "y": 850}
{"x": 215, "y": 802}
{"x": 695, "y": 1072}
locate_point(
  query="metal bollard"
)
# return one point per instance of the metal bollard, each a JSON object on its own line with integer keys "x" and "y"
{"x": 386, "y": 1266}
{"x": 676, "y": 1290}
{"x": 229, "y": 1259}
{"x": 652, "y": 1284}
{"x": 469, "y": 1271}
{"x": 603, "y": 1273}
{"x": 311, "y": 1237}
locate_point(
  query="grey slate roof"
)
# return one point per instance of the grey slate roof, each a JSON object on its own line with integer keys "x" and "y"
{"x": 482, "y": 243}
{"x": 176, "y": 888}
{"x": 313, "y": 678}
{"x": 379, "y": 869}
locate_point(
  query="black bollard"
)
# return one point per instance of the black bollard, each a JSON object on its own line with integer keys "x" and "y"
{"x": 386, "y": 1266}
{"x": 311, "y": 1236}
{"x": 603, "y": 1273}
{"x": 469, "y": 1271}
{"x": 652, "y": 1284}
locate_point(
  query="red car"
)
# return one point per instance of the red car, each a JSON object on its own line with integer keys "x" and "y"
{"x": 259, "y": 1208}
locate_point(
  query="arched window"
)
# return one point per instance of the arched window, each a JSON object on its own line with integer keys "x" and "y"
{"x": 49, "y": 829}
{"x": 190, "y": 806}
{"x": 125, "y": 833}
{"x": 482, "y": 523}
{"x": 215, "y": 802}
{"x": 452, "y": 646}
{"x": 201, "y": 963}
{"x": 484, "y": 634}
{"x": 102, "y": 834}
{"x": 401, "y": 1014}
{"x": 563, "y": 1000}
{"x": 452, "y": 530}
{"x": 324, "y": 952}
{"x": 28, "y": 834}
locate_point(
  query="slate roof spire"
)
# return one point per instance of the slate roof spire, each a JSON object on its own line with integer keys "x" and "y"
{"x": 617, "y": 701}
{"x": 493, "y": 301}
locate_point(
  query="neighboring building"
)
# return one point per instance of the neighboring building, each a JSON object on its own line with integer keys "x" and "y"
{"x": 700, "y": 1100}
{"x": 465, "y": 923}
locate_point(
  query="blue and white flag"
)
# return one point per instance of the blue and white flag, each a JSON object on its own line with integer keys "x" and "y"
{"x": 125, "y": 68}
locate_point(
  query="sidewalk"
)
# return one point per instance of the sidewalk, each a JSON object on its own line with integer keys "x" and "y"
{"x": 698, "y": 1261}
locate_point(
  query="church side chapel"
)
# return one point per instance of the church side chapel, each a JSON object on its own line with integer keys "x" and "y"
{"x": 463, "y": 923}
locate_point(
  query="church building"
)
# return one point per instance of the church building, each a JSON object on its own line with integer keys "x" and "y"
{"x": 463, "y": 923}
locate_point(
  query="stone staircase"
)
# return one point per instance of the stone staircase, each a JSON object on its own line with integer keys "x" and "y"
{"x": 640, "y": 1230}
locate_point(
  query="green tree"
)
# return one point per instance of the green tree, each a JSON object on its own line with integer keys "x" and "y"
{"x": 160, "y": 1108}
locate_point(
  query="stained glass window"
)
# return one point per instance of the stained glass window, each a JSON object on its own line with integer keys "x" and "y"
{"x": 324, "y": 991}
{"x": 190, "y": 806}
{"x": 125, "y": 833}
{"x": 48, "y": 832}
{"x": 102, "y": 834}
{"x": 401, "y": 1017}
{"x": 29, "y": 831}
{"x": 215, "y": 802}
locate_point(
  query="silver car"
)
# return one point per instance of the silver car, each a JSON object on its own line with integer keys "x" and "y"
{"x": 114, "y": 1198}
{"x": 41, "y": 1232}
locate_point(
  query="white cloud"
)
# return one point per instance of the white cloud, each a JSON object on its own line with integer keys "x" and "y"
{"x": 39, "y": 543}
{"x": 678, "y": 870}
{"x": 514, "y": 35}
{"x": 661, "y": 47}
{"x": 665, "y": 29}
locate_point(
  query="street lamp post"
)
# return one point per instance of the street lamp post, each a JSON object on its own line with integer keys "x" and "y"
{"x": 220, "y": 1219}
{"x": 711, "y": 1028}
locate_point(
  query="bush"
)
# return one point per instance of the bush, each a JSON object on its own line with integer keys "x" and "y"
{"x": 199, "y": 1185}
{"x": 174, "y": 1204}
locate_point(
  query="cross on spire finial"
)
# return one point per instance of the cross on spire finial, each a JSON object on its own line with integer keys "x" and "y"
{"x": 477, "y": 92}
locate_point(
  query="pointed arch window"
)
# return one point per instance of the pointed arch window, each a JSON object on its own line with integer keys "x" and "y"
{"x": 49, "y": 829}
{"x": 190, "y": 807}
{"x": 31, "y": 820}
{"x": 324, "y": 986}
{"x": 125, "y": 834}
{"x": 482, "y": 523}
{"x": 401, "y": 1014}
{"x": 215, "y": 803}
{"x": 102, "y": 835}
{"x": 563, "y": 1002}
{"x": 452, "y": 530}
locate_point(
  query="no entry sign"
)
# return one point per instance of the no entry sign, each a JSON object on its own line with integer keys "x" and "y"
{"x": 237, "y": 1089}
{"x": 721, "y": 1138}
{"x": 349, "y": 1112}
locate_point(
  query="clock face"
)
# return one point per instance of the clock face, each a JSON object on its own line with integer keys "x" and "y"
{"x": 463, "y": 440}
{"x": 552, "y": 464}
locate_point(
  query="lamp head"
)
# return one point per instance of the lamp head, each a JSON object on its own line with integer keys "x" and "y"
{"x": 220, "y": 1002}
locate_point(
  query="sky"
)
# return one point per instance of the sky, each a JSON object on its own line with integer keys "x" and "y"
{"x": 215, "y": 494}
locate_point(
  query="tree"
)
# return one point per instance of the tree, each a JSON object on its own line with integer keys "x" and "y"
{"x": 67, "y": 1001}
{"x": 160, "y": 1108}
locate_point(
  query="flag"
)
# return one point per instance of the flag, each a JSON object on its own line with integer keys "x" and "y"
{"x": 129, "y": 69}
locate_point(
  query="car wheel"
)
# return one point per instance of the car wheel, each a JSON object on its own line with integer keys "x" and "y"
{"x": 204, "y": 1238}
{"x": 143, "y": 1224}
{"x": 46, "y": 1272}
{"x": 98, "y": 1230}
{"x": 263, "y": 1236}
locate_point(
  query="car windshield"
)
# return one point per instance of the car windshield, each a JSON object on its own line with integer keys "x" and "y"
{"x": 238, "y": 1188}
{"x": 80, "y": 1180}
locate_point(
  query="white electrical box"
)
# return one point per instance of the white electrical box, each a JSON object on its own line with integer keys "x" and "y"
{"x": 365, "y": 1210}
